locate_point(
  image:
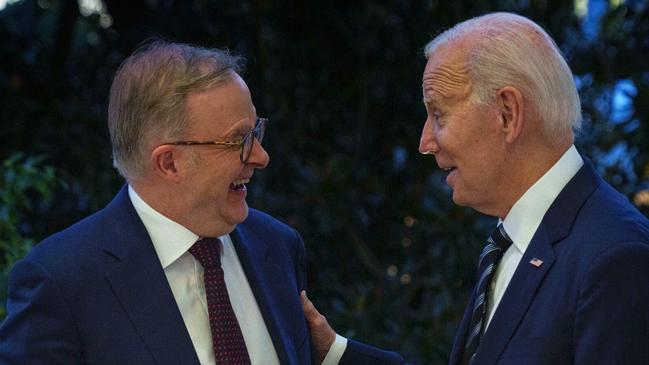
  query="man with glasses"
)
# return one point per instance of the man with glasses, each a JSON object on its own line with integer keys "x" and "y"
{"x": 176, "y": 269}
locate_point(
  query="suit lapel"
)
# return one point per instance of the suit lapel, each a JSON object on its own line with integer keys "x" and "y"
{"x": 260, "y": 271}
{"x": 460, "y": 337}
{"x": 555, "y": 226}
{"x": 141, "y": 286}
{"x": 517, "y": 298}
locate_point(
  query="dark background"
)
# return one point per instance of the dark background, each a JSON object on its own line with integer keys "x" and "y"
{"x": 391, "y": 258}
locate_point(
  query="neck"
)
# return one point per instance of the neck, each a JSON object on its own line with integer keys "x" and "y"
{"x": 156, "y": 198}
{"x": 163, "y": 199}
{"x": 526, "y": 168}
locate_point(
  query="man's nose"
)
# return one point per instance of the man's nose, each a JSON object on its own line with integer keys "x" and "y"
{"x": 427, "y": 142}
{"x": 259, "y": 158}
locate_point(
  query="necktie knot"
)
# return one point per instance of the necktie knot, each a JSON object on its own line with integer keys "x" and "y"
{"x": 207, "y": 251}
{"x": 497, "y": 243}
{"x": 501, "y": 238}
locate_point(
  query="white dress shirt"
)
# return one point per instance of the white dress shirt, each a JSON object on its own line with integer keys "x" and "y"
{"x": 524, "y": 219}
{"x": 185, "y": 275}
{"x": 336, "y": 351}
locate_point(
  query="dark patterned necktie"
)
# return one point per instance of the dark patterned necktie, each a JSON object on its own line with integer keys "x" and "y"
{"x": 229, "y": 346}
{"x": 497, "y": 244}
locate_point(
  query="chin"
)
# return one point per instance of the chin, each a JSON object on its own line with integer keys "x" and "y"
{"x": 239, "y": 214}
{"x": 226, "y": 222}
{"x": 477, "y": 205}
{"x": 460, "y": 200}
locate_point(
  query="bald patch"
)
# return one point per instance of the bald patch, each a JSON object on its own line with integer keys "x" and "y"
{"x": 448, "y": 80}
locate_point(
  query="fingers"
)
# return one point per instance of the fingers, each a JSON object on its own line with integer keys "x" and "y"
{"x": 322, "y": 335}
{"x": 310, "y": 312}
{"x": 315, "y": 320}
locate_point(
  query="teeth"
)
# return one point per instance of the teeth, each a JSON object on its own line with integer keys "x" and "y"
{"x": 447, "y": 169}
{"x": 240, "y": 182}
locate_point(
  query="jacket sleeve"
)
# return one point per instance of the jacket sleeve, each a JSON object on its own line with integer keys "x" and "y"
{"x": 300, "y": 262}
{"x": 358, "y": 353}
{"x": 612, "y": 316}
{"x": 39, "y": 328}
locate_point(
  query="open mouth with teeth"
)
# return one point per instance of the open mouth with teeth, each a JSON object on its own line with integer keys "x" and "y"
{"x": 239, "y": 185}
{"x": 448, "y": 169}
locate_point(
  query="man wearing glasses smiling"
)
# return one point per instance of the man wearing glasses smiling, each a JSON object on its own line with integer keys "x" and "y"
{"x": 176, "y": 269}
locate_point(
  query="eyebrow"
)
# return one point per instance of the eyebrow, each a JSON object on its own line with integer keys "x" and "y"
{"x": 240, "y": 129}
{"x": 433, "y": 101}
{"x": 428, "y": 102}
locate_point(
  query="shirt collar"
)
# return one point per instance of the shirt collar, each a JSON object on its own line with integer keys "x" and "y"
{"x": 170, "y": 239}
{"x": 526, "y": 214}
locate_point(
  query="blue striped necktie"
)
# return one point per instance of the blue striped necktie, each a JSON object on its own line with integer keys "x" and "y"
{"x": 497, "y": 244}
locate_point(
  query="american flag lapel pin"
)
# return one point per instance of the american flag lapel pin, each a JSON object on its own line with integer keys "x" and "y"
{"x": 536, "y": 262}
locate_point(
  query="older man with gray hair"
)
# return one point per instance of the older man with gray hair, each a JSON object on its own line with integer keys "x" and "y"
{"x": 564, "y": 277}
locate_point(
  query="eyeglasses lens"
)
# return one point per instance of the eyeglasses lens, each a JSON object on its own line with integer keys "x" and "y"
{"x": 258, "y": 134}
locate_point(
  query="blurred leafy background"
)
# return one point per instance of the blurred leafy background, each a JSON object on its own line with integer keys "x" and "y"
{"x": 391, "y": 257}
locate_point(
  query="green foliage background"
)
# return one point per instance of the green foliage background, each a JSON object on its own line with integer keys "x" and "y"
{"x": 391, "y": 257}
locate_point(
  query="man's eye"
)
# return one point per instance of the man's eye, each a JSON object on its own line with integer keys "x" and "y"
{"x": 437, "y": 116}
{"x": 237, "y": 137}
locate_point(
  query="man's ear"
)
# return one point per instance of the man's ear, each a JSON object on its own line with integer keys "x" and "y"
{"x": 164, "y": 160}
{"x": 511, "y": 111}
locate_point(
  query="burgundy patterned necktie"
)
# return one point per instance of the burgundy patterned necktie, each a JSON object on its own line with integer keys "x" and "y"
{"x": 229, "y": 346}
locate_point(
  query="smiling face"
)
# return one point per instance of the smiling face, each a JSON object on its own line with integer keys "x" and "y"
{"x": 466, "y": 138}
{"x": 213, "y": 183}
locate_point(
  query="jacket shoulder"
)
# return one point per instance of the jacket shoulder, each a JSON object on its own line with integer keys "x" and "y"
{"x": 74, "y": 243}
{"x": 608, "y": 216}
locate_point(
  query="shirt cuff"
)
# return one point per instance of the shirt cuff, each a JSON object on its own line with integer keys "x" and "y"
{"x": 336, "y": 351}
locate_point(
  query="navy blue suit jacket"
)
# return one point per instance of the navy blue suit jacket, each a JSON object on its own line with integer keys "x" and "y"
{"x": 96, "y": 293}
{"x": 358, "y": 353}
{"x": 588, "y": 303}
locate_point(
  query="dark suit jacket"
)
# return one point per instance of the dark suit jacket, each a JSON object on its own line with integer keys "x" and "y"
{"x": 588, "y": 303}
{"x": 96, "y": 293}
{"x": 358, "y": 353}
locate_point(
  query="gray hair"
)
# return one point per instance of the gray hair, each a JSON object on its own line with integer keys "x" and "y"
{"x": 148, "y": 96}
{"x": 511, "y": 50}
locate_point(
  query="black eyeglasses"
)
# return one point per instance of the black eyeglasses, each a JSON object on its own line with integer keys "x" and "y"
{"x": 245, "y": 144}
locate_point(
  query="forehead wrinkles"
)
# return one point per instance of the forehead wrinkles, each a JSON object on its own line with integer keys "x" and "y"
{"x": 447, "y": 80}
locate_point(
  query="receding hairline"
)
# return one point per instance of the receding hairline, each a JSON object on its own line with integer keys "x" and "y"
{"x": 473, "y": 31}
{"x": 465, "y": 37}
{"x": 451, "y": 76}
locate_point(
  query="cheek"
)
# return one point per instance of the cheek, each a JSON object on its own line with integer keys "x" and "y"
{"x": 477, "y": 159}
{"x": 220, "y": 174}
{"x": 446, "y": 140}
